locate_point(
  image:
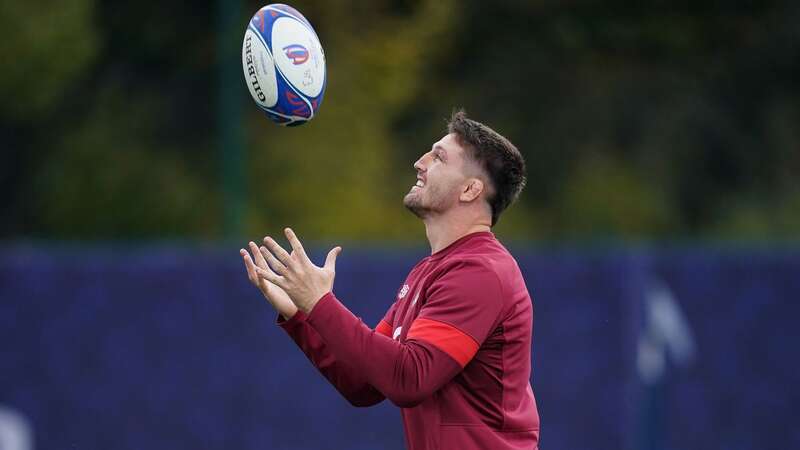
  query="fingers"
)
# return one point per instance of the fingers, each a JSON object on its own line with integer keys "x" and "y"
{"x": 257, "y": 256}
{"x": 330, "y": 261}
{"x": 273, "y": 262}
{"x": 261, "y": 272}
{"x": 281, "y": 254}
{"x": 271, "y": 277}
{"x": 251, "y": 268}
{"x": 295, "y": 243}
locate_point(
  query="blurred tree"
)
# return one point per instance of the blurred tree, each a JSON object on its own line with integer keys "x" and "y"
{"x": 638, "y": 120}
{"x": 688, "y": 103}
{"x": 104, "y": 181}
{"x": 113, "y": 151}
{"x": 45, "y": 49}
{"x": 340, "y": 175}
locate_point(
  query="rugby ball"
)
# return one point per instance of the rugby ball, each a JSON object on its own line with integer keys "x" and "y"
{"x": 284, "y": 65}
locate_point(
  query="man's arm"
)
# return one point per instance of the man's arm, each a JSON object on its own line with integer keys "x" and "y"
{"x": 461, "y": 308}
{"x": 346, "y": 380}
{"x": 440, "y": 343}
{"x": 350, "y": 383}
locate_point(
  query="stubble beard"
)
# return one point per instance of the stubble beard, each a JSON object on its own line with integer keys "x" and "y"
{"x": 413, "y": 203}
{"x": 424, "y": 206}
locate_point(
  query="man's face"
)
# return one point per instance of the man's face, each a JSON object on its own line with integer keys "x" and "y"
{"x": 440, "y": 178}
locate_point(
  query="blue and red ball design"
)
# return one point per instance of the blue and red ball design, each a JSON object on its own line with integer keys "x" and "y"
{"x": 294, "y": 105}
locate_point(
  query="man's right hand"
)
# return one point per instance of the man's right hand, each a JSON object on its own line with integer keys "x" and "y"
{"x": 274, "y": 295}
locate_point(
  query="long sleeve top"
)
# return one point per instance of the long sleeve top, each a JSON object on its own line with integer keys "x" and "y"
{"x": 453, "y": 351}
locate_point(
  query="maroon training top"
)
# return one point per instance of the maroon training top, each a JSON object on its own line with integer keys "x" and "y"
{"x": 453, "y": 351}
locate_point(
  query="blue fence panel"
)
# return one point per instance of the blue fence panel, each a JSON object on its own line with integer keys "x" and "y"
{"x": 164, "y": 348}
{"x": 743, "y": 389}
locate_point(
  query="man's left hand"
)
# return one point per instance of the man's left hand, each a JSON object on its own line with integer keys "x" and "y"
{"x": 294, "y": 272}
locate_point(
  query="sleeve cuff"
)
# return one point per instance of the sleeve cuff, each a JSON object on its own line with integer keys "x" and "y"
{"x": 300, "y": 316}
{"x": 321, "y": 308}
{"x": 290, "y": 324}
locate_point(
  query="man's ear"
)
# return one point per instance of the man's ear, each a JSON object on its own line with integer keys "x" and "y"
{"x": 472, "y": 190}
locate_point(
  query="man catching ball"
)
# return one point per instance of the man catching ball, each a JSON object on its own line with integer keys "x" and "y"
{"x": 454, "y": 349}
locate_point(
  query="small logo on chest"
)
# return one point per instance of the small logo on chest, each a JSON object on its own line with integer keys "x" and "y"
{"x": 403, "y": 291}
{"x": 396, "y": 334}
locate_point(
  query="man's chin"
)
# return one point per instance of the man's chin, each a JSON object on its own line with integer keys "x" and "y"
{"x": 410, "y": 198}
{"x": 412, "y": 203}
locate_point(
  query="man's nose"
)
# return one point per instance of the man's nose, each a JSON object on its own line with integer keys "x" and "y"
{"x": 419, "y": 165}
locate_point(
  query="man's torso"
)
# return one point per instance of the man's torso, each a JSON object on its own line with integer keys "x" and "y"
{"x": 490, "y": 402}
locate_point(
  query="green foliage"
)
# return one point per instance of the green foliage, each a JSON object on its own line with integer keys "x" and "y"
{"x": 646, "y": 120}
{"x": 104, "y": 182}
{"x": 44, "y": 49}
{"x": 338, "y": 175}
{"x": 620, "y": 201}
{"x": 687, "y": 107}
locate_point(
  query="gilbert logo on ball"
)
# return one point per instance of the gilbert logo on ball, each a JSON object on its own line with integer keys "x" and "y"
{"x": 284, "y": 64}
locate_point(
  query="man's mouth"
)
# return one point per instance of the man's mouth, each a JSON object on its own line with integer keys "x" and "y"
{"x": 420, "y": 183}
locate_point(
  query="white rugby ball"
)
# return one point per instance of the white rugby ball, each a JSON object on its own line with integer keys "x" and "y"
{"x": 284, "y": 65}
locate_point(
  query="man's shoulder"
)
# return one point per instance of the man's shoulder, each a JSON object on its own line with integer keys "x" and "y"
{"x": 488, "y": 258}
{"x": 489, "y": 255}
{"x": 488, "y": 266}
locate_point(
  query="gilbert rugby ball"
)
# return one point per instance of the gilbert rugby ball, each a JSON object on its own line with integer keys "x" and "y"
{"x": 284, "y": 65}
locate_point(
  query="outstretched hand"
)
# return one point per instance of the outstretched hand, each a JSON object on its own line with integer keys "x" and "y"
{"x": 276, "y": 296}
{"x": 294, "y": 272}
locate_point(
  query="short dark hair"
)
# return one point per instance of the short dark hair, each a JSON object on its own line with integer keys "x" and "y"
{"x": 496, "y": 155}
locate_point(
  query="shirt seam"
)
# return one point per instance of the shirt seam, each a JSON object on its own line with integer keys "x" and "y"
{"x": 483, "y": 425}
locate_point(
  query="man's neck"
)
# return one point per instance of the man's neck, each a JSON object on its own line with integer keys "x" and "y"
{"x": 442, "y": 232}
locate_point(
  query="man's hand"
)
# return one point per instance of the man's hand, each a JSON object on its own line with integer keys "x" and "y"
{"x": 276, "y": 296}
{"x": 304, "y": 282}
